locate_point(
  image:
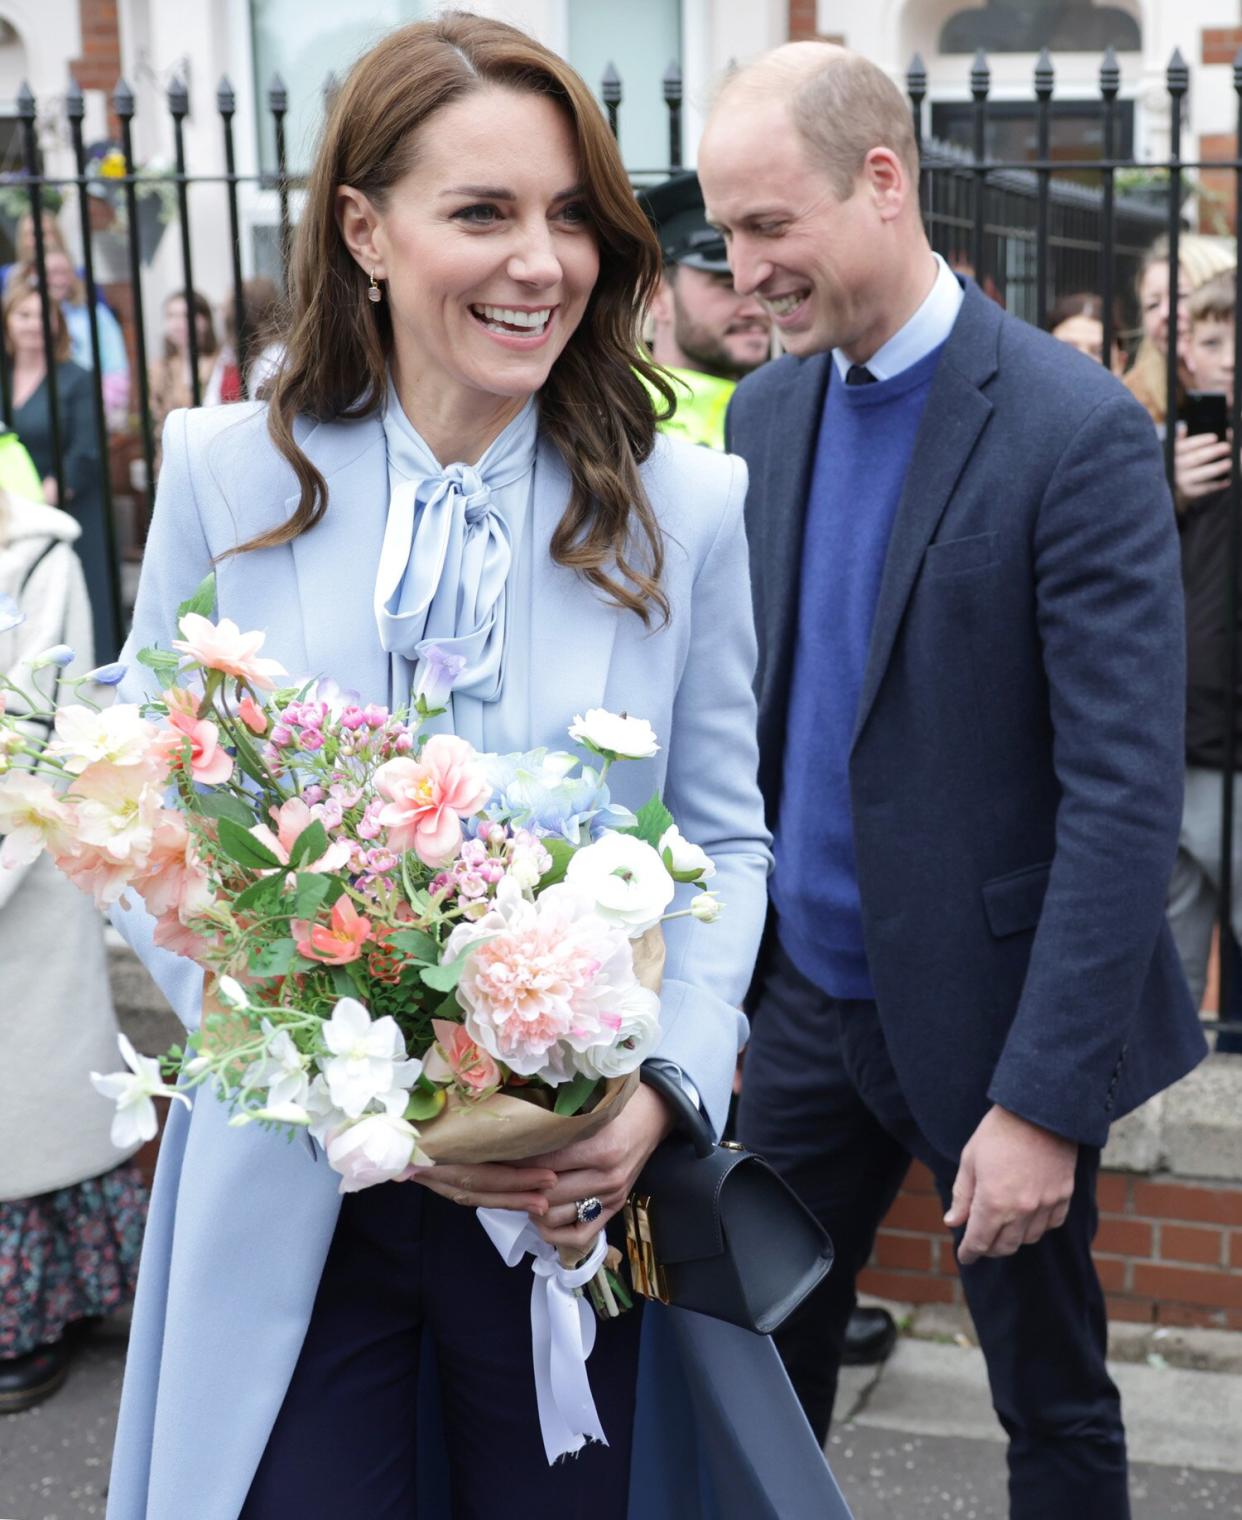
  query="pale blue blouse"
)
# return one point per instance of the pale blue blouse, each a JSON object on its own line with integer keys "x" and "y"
{"x": 455, "y": 577}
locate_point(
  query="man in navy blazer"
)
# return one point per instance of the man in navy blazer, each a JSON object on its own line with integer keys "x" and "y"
{"x": 970, "y": 704}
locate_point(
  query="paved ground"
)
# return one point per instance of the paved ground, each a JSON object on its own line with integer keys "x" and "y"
{"x": 919, "y": 1444}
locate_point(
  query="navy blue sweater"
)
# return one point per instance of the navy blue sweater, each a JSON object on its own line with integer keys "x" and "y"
{"x": 865, "y": 442}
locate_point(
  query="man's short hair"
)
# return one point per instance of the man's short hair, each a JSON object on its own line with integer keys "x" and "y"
{"x": 1215, "y": 299}
{"x": 845, "y": 109}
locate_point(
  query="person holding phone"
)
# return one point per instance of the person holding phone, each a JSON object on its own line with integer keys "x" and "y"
{"x": 1202, "y": 461}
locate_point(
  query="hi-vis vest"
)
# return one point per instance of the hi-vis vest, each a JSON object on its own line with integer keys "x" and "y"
{"x": 701, "y": 404}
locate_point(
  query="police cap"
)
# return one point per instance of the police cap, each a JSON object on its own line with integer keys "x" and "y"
{"x": 675, "y": 210}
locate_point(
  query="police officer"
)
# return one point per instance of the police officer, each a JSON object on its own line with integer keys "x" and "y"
{"x": 702, "y": 331}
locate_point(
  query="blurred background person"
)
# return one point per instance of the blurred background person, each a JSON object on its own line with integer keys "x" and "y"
{"x": 67, "y": 288}
{"x": 31, "y": 419}
{"x": 1079, "y": 321}
{"x": 72, "y": 1204}
{"x": 170, "y": 383}
{"x": 1204, "y": 503}
{"x": 1199, "y": 258}
{"x": 701, "y": 331}
{"x": 264, "y": 348}
{"x": 24, "y": 244}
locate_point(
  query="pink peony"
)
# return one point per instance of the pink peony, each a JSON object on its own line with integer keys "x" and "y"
{"x": 291, "y": 818}
{"x": 210, "y": 765}
{"x": 543, "y": 980}
{"x": 223, "y": 646}
{"x": 117, "y": 810}
{"x": 455, "y": 1057}
{"x": 428, "y": 797}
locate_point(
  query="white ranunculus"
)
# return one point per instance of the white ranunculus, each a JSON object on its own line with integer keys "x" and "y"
{"x": 367, "y": 1057}
{"x": 625, "y": 879}
{"x": 633, "y": 1042}
{"x": 132, "y": 1091}
{"x": 377, "y": 1148}
{"x": 705, "y": 907}
{"x": 688, "y": 859}
{"x": 615, "y": 735}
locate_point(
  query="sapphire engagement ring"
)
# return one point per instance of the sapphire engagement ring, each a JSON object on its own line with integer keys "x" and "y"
{"x": 588, "y": 1210}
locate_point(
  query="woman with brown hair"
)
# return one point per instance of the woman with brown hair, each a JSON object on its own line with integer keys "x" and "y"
{"x": 459, "y": 456}
{"x": 169, "y": 378}
{"x": 31, "y": 419}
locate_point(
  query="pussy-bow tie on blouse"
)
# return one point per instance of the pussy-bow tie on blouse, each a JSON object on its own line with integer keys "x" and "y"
{"x": 448, "y": 547}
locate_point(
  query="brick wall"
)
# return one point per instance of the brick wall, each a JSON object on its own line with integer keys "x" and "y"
{"x": 802, "y": 23}
{"x": 1220, "y": 43}
{"x": 1169, "y": 1251}
{"x": 99, "y": 67}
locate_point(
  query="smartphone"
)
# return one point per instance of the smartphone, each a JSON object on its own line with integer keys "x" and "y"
{"x": 1207, "y": 412}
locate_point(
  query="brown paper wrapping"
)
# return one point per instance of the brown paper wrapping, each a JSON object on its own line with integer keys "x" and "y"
{"x": 504, "y": 1128}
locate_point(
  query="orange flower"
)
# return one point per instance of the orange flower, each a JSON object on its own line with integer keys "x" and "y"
{"x": 338, "y": 943}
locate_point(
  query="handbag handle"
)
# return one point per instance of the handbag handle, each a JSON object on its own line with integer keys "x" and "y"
{"x": 688, "y": 1117}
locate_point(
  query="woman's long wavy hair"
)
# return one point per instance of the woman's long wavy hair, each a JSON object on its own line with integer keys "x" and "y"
{"x": 593, "y": 406}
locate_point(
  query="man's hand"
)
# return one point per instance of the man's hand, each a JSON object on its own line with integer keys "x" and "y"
{"x": 1013, "y": 1185}
{"x": 604, "y": 1167}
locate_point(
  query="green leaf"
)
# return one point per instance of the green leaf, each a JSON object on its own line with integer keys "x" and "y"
{"x": 562, "y": 852}
{"x": 342, "y": 982}
{"x": 570, "y": 1096}
{"x": 309, "y": 845}
{"x": 241, "y": 846}
{"x": 424, "y": 1105}
{"x": 653, "y": 820}
{"x": 163, "y": 663}
{"x": 275, "y": 959}
{"x": 223, "y": 805}
{"x": 415, "y": 942}
{"x": 310, "y": 894}
{"x": 259, "y": 894}
{"x": 449, "y": 1009}
{"x": 203, "y": 601}
{"x": 443, "y": 978}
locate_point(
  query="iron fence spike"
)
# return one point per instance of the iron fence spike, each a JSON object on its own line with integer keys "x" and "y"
{"x": 178, "y": 96}
{"x": 277, "y": 95}
{"x": 123, "y": 98}
{"x": 980, "y": 75}
{"x": 1044, "y": 74}
{"x": 916, "y": 75}
{"x": 1178, "y": 76}
{"x": 610, "y": 84}
{"x": 226, "y": 101}
{"x": 672, "y": 81}
{"x": 75, "y": 101}
{"x": 1237, "y": 70}
{"x": 25, "y": 101}
{"x": 1110, "y": 73}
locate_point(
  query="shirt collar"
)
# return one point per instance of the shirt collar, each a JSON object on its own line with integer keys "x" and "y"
{"x": 930, "y": 325}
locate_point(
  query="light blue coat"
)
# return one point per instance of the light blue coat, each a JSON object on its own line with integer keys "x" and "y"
{"x": 241, "y": 1220}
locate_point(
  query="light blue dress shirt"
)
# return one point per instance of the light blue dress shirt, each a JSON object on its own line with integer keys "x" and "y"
{"x": 928, "y": 328}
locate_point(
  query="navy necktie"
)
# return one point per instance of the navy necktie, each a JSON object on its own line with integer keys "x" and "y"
{"x": 859, "y": 374}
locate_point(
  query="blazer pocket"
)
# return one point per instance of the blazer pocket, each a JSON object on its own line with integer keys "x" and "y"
{"x": 1014, "y": 902}
{"x": 961, "y": 556}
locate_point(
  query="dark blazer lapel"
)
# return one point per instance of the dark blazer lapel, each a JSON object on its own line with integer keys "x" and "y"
{"x": 776, "y": 537}
{"x": 954, "y": 418}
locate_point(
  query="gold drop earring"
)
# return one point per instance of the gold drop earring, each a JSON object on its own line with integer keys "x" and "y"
{"x": 375, "y": 294}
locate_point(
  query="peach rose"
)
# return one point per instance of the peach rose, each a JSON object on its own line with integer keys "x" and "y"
{"x": 426, "y": 798}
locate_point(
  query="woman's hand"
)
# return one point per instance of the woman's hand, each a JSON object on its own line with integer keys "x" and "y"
{"x": 1200, "y": 465}
{"x": 490, "y": 1185}
{"x": 50, "y": 493}
{"x": 604, "y": 1167}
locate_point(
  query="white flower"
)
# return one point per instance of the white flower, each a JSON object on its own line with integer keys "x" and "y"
{"x": 636, "y": 1036}
{"x": 625, "y": 879}
{"x": 282, "y": 1071}
{"x": 688, "y": 859}
{"x": 32, "y": 817}
{"x": 376, "y": 1149}
{"x": 135, "y": 1119}
{"x": 368, "y": 1057}
{"x": 119, "y": 734}
{"x": 616, "y": 735}
{"x": 705, "y": 907}
{"x": 231, "y": 992}
{"x": 283, "y": 1113}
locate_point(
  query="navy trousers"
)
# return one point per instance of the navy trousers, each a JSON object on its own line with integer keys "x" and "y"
{"x": 821, "y": 1102}
{"x": 409, "y": 1275}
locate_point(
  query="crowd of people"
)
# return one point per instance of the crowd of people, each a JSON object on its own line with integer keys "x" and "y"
{"x": 842, "y": 1111}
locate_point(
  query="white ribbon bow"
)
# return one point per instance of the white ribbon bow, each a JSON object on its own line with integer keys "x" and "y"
{"x": 562, "y": 1330}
